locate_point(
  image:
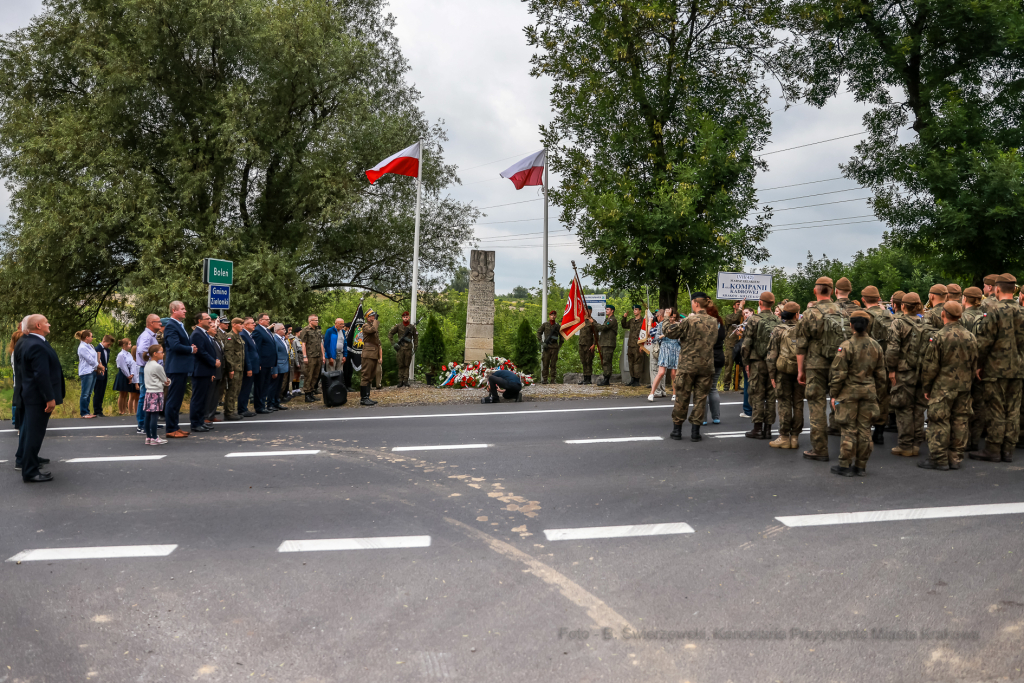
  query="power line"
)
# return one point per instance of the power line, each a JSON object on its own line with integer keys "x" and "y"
{"x": 812, "y": 182}
{"x": 495, "y": 206}
{"x": 827, "y": 220}
{"x": 841, "y": 137}
{"x": 524, "y": 220}
{"x": 831, "y": 225}
{"x": 819, "y": 194}
{"x": 807, "y": 206}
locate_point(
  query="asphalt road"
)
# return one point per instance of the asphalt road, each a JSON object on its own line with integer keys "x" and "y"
{"x": 484, "y": 565}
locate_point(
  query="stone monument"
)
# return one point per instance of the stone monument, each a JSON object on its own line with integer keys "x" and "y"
{"x": 480, "y": 309}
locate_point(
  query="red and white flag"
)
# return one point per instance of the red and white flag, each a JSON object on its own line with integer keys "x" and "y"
{"x": 406, "y": 162}
{"x": 575, "y": 310}
{"x": 646, "y": 327}
{"x": 528, "y": 171}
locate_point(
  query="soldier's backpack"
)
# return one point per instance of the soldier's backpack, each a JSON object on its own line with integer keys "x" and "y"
{"x": 786, "y": 362}
{"x": 764, "y": 335}
{"x": 920, "y": 333}
{"x": 835, "y": 330}
{"x": 880, "y": 324}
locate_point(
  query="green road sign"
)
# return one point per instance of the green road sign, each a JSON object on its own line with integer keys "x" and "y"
{"x": 217, "y": 272}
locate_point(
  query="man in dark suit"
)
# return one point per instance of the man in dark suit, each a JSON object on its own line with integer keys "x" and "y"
{"x": 264, "y": 341}
{"x": 217, "y": 336}
{"x": 99, "y": 390}
{"x": 252, "y": 367}
{"x": 206, "y": 364}
{"x": 39, "y": 390}
{"x": 179, "y": 362}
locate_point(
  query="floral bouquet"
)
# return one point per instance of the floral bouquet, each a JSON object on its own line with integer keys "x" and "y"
{"x": 471, "y": 375}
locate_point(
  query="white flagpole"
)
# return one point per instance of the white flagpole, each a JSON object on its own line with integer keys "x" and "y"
{"x": 544, "y": 270}
{"x": 416, "y": 256}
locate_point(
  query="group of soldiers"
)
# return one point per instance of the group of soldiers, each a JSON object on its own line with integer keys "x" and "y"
{"x": 594, "y": 336}
{"x": 959, "y": 358}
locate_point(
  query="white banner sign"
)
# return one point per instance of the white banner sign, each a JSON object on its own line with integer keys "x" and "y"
{"x": 736, "y": 286}
{"x": 597, "y": 302}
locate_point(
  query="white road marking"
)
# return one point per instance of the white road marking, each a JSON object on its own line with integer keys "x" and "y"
{"x": 398, "y": 449}
{"x": 118, "y": 458}
{"x": 378, "y": 543}
{"x": 620, "y": 440}
{"x": 727, "y": 436}
{"x": 98, "y": 552}
{"x": 618, "y": 531}
{"x": 257, "y": 454}
{"x": 905, "y": 514}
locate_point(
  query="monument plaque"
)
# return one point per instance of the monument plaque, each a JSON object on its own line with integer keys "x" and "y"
{"x": 480, "y": 310}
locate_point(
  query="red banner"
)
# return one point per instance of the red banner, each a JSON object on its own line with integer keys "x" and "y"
{"x": 575, "y": 310}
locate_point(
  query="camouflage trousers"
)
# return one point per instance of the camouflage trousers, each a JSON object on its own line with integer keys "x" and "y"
{"x": 762, "y": 395}
{"x": 949, "y": 415}
{"x": 855, "y": 417}
{"x": 883, "y": 404}
{"x": 978, "y": 422}
{"x": 907, "y": 399}
{"x": 790, "y": 395}
{"x": 607, "y": 359}
{"x": 636, "y": 362}
{"x": 311, "y": 374}
{"x": 233, "y": 388}
{"x": 1002, "y": 401}
{"x": 404, "y": 358}
{"x": 587, "y": 360}
{"x": 816, "y": 388}
{"x": 549, "y": 363}
{"x": 700, "y": 386}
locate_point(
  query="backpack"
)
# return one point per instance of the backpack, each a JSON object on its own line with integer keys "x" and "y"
{"x": 834, "y": 331}
{"x": 885, "y": 322}
{"x": 786, "y": 362}
{"x": 920, "y": 333}
{"x": 764, "y": 335}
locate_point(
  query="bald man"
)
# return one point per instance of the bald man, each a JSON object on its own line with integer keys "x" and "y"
{"x": 145, "y": 340}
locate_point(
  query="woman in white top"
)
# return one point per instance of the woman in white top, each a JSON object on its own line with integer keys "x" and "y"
{"x": 124, "y": 383}
{"x": 88, "y": 368}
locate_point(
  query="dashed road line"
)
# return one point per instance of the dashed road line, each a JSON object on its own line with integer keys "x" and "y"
{"x": 257, "y": 454}
{"x": 401, "y": 449}
{"x": 903, "y": 515}
{"x": 378, "y": 543}
{"x": 618, "y": 440}
{"x": 618, "y": 531}
{"x": 99, "y": 552}
{"x": 118, "y": 458}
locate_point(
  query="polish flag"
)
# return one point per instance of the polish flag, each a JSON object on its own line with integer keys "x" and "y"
{"x": 406, "y": 162}
{"x": 528, "y": 171}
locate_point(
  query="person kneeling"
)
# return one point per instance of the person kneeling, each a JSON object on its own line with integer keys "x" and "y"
{"x": 504, "y": 382}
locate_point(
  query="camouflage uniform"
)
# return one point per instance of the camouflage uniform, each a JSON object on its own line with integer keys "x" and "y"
{"x": 971, "y": 318}
{"x": 847, "y": 305}
{"x": 314, "y": 360}
{"x": 999, "y": 360}
{"x": 881, "y": 323}
{"x": 809, "y": 333}
{"x": 788, "y": 391}
{"x": 697, "y": 335}
{"x": 587, "y": 340}
{"x": 408, "y": 338}
{"x": 234, "y": 361}
{"x": 946, "y": 373}
{"x": 759, "y": 386}
{"x": 633, "y": 351}
{"x": 857, "y": 375}
{"x": 608, "y": 335}
{"x": 1012, "y": 435}
{"x": 907, "y": 398}
{"x": 550, "y": 338}
{"x": 732, "y": 322}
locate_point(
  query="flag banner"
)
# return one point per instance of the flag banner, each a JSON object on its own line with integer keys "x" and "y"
{"x": 355, "y": 339}
{"x": 528, "y": 171}
{"x": 406, "y": 162}
{"x": 575, "y": 310}
{"x": 646, "y": 328}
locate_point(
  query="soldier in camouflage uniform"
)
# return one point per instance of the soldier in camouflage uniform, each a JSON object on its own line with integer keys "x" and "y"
{"x": 782, "y": 373}
{"x": 970, "y": 320}
{"x": 989, "y": 286}
{"x": 587, "y": 342}
{"x": 843, "y": 291}
{"x": 954, "y": 293}
{"x": 902, "y": 361}
{"x": 313, "y": 356}
{"x": 697, "y": 334}
{"x": 933, "y": 316}
{"x": 550, "y": 337}
{"x": 754, "y": 353}
{"x": 856, "y": 377}
{"x": 633, "y": 351}
{"x": 949, "y": 364}
{"x": 408, "y": 339}
{"x": 896, "y": 309}
{"x": 607, "y": 339}
{"x": 816, "y": 344}
{"x": 234, "y": 368}
{"x": 881, "y": 321}
{"x": 732, "y": 322}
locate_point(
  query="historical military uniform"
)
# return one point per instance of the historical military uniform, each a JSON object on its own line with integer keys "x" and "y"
{"x": 633, "y": 351}
{"x": 907, "y": 397}
{"x": 697, "y": 335}
{"x": 818, "y": 336}
{"x": 782, "y": 372}
{"x": 314, "y": 359}
{"x": 234, "y": 362}
{"x": 408, "y": 339}
{"x": 856, "y": 377}
{"x": 754, "y": 354}
{"x": 587, "y": 340}
{"x": 371, "y": 352}
{"x": 947, "y": 369}
{"x": 550, "y": 337}
{"x": 607, "y": 339}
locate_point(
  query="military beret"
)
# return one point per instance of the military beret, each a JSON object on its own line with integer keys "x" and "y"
{"x": 990, "y": 279}
{"x": 636, "y": 307}
{"x": 553, "y": 313}
{"x": 405, "y": 313}
{"x": 767, "y": 297}
{"x": 870, "y": 290}
{"x": 1007, "y": 277}
{"x": 860, "y": 314}
{"x": 953, "y": 309}
{"x": 974, "y": 292}
{"x": 611, "y": 306}
{"x": 1003, "y": 279}
{"x": 700, "y": 295}
{"x": 897, "y": 296}
{"x": 237, "y": 321}
{"x": 938, "y": 289}
{"x": 791, "y": 307}
{"x": 823, "y": 280}
{"x": 954, "y": 289}
{"x": 911, "y": 298}
{"x": 223, "y": 319}
{"x": 844, "y": 285}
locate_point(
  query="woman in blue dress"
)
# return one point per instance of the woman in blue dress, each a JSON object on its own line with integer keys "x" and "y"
{"x": 668, "y": 356}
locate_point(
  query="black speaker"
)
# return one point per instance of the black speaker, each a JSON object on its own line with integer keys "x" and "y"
{"x": 333, "y": 386}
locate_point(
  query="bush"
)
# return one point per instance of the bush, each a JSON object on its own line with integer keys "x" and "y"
{"x": 526, "y": 349}
{"x": 432, "y": 353}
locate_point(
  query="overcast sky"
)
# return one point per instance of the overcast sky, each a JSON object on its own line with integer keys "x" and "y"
{"x": 470, "y": 60}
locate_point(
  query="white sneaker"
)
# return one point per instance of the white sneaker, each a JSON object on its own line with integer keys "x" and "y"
{"x": 744, "y": 415}
{"x": 159, "y": 442}
{"x": 650, "y": 397}
{"x": 673, "y": 398}
{"x": 659, "y": 394}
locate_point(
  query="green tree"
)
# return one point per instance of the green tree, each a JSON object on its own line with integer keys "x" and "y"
{"x": 520, "y": 292}
{"x": 138, "y": 138}
{"x": 950, "y": 71}
{"x": 431, "y": 353}
{"x": 460, "y": 283}
{"x": 526, "y": 348}
{"x": 660, "y": 108}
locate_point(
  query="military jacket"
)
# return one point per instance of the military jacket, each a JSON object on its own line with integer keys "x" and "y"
{"x": 588, "y": 334}
{"x": 775, "y": 344}
{"x": 608, "y": 334}
{"x": 314, "y": 340}
{"x": 949, "y": 361}
{"x": 750, "y": 335}
{"x": 371, "y": 338}
{"x": 998, "y": 355}
{"x": 633, "y": 324}
{"x": 858, "y": 370}
{"x": 408, "y": 333}
{"x": 847, "y": 305}
{"x": 971, "y": 317}
{"x": 878, "y": 330}
{"x": 697, "y": 335}
{"x": 900, "y": 353}
{"x": 809, "y": 332}
{"x": 234, "y": 352}
{"x": 550, "y": 336}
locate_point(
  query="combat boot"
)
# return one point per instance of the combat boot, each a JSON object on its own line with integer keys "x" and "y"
{"x": 364, "y": 392}
{"x": 766, "y": 433}
{"x": 586, "y": 379}
{"x": 905, "y": 452}
{"x": 781, "y": 442}
{"x": 794, "y": 441}
{"x": 843, "y": 471}
{"x": 987, "y": 455}
{"x": 1007, "y": 456}
{"x": 932, "y": 465}
{"x": 310, "y": 399}
{"x": 811, "y": 455}
{"x": 695, "y": 433}
{"x": 860, "y": 468}
{"x": 677, "y": 432}
{"x": 891, "y": 425}
{"x": 879, "y": 435}
{"x": 755, "y": 431}
{"x": 607, "y": 380}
